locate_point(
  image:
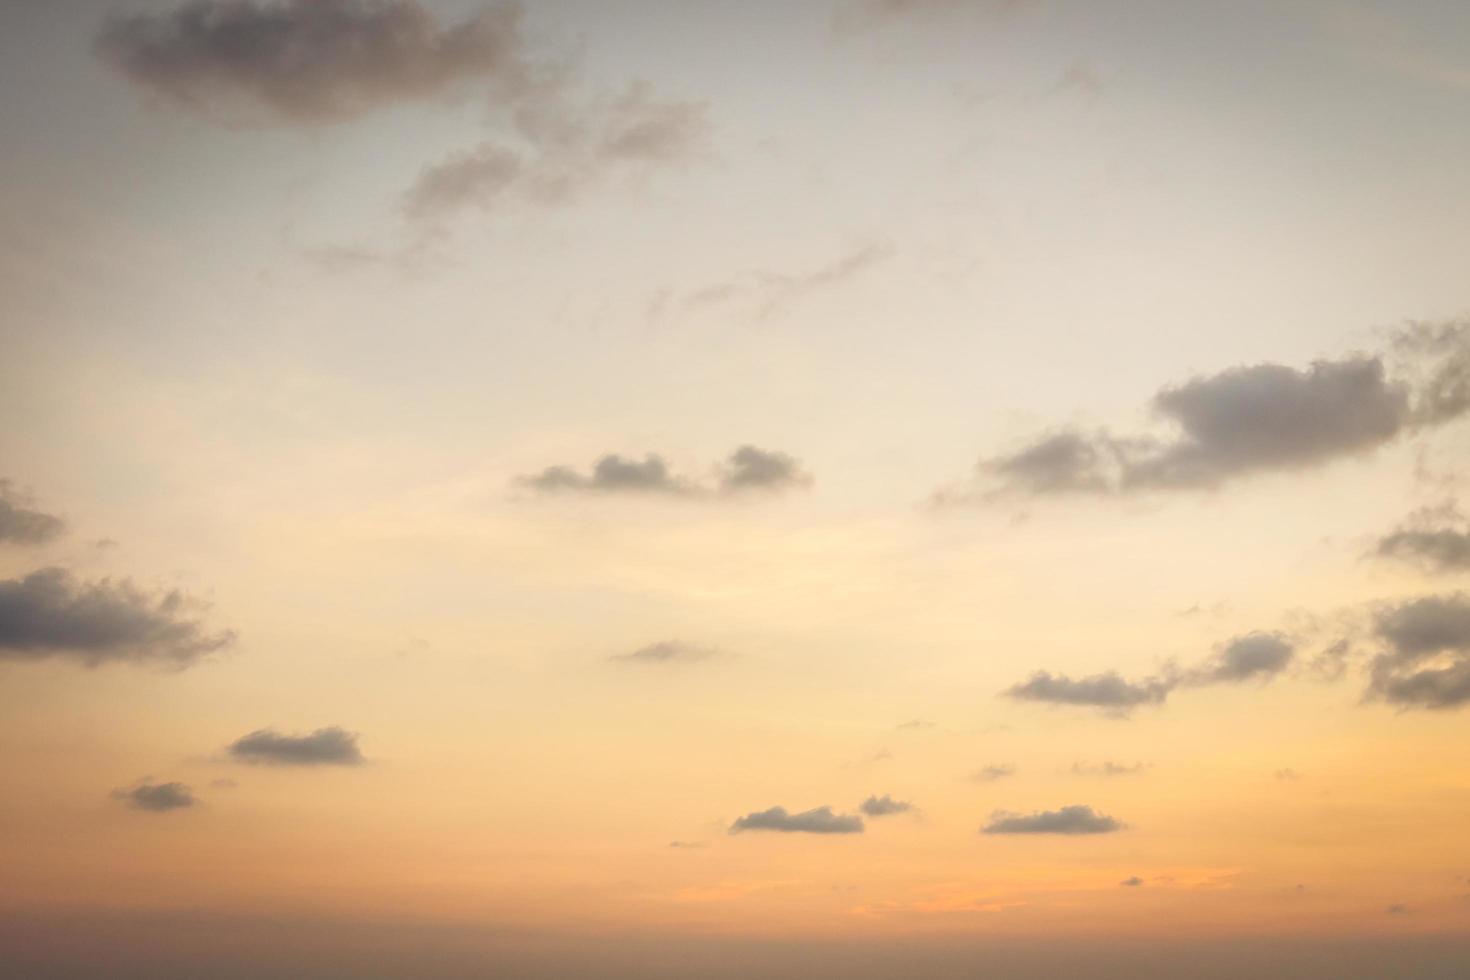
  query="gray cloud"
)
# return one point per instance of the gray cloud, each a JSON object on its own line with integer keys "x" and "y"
{"x": 667, "y": 652}
{"x": 1427, "y": 661}
{"x": 991, "y": 773}
{"x": 766, "y": 292}
{"x": 331, "y": 746}
{"x": 20, "y": 524}
{"x": 819, "y": 821}
{"x": 156, "y": 797}
{"x": 748, "y": 468}
{"x": 1251, "y": 419}
{"x": 311, "y": 61}
{"x": 752, "y": 468}
{"x": 1108, "y": 690}
{"x": 1254, "y": 656}
{"x": 883, "y": 806}
{"x": 49, "y": 614}
{"x": 1107, "y": 769}
{"x": 1134, "y": 882}
{"x": 1435, "y": 538}
{"x": 1075, "y": 819}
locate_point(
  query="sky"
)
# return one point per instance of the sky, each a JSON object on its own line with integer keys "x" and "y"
{"x": 574, "y": 488}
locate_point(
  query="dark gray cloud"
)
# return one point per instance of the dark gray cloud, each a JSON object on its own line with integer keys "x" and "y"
{"x": 1434, "y": 538}
{"x": 884, "y": 806}
{"x": 1134, "y": 882}
{"x": 311, "y": 61}
{"x": 50, "y": 614}
{"x": 1427, "y": 660}
{"x": 1076, "y": 819}
{"x": 1254, "y": 656}
{"x": 753, "y": 468}
{"x": 331, "y": 746}
{"x": 819, "y": 821}
{"x": 748, "y": 468}
{"x": 156, "y": 797}
{"x": 1251, "y": 419}
{"x": 667, "y": 652}
{"x": 990, "y": 774}
{"x": 1107, "y": 690}
{"x": 20, "y": 524}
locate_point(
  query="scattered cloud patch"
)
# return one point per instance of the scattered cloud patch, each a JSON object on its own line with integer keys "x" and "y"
{"x": 50, "y": 614}
{"x": 1254, "y": 656}
{"x": 331, "y": 746}
{"x": 1436, "y": 539}
{"x": 1107, "y": 690}
{"x": 156, "y": 797}
{"x": 748, "y": 468}
{"x": 884, "y": 806}
{"x": 1107, "y": 768}
{"x": 311, "y": 61}
{"x": 1134, "y": 882}
{"x": 818, "y": 821}
{"x": 21, "y": 524}
{"x": 1427, "y": 660}
{"x": 667, "y": 652}
{"x": 990, "y": 774}
{"x": 753, "y": 468}
{"x": 1068, "y": 820}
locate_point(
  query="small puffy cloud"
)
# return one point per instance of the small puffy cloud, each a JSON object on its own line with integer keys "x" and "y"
{"x": 752, "y": 468}
{"x": 818, "y": 821}
{"x": 666, "y": 652}
{"x": 21, "y": 524}
{"x": 884, "y": 806}
{"x": 1107, "y": 690}
{"x": 50, "y": 614}
{"x": 1068, "y": 820}
{"x": 1427, "y": 660}
{"x": 311, "y": 61}
{"x": 1254, "y": 656}
{"x": 1133, "y": 882}
{"x": 1437, "y": 539}
{"x": 748, "y": 468}
{"x": 156, "y": 797}
{"x": 331, "y": 746}
{"x": 990, "y": 774}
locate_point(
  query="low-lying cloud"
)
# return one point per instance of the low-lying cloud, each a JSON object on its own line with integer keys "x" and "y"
{"x": 21, "y": 524}
{"x": 331, "y": 746}
{"x": 48, "y": 613}
{"x": 884, "y": 806}
{"x": 156, "y": 797}
{"x": 748, "y": 469}
{"x": 1075, "y": 819}
{"x": 818, "y": 821}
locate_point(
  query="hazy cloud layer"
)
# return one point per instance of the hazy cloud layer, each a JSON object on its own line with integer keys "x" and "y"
{"x": 50, "y": 614}
{"x": 748, "y": 468}
{"x": 667, "y": 652}
{"x": 1436, "y": 539}
{"x": 884, "y": 806}
{"x": 819, "y": 821}
{"x": 1251, "y": 419}
{"x": 1068, "y": 820}
{"x": 331, "y": 746}
{"x": 311, "y": 61}
{"x": 1427, "y": 660}
{"x": 20, "y": 524}
{"x": 1107, "y": 768}
{"x": 156, "y": 797}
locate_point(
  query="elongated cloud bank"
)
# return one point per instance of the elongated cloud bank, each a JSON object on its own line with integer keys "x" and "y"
{"x": 1076, "y": 819}
{"x": 1251, "y": 419}
{"x": 818, "y": 821}
{"x": 747, "y": 469}
{"x": 20, "y": 524}
{"x": 310, "y": 61}
{"x": 50, "y": 614}
{"x": 331, "y": 746}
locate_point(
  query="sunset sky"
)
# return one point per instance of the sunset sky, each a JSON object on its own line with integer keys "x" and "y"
{"x": 858, "y": 488}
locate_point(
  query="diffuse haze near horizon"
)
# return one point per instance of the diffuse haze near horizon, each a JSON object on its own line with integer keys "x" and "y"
{"x": 861, "y": 488}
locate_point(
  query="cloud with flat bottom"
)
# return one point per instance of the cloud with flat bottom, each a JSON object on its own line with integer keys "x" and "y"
{"x": 1075, "y": 819}
{"x": 747, "y": 469}
{"x": 156, "y": 797}
{"x": 331, "y": 746}
{"x": 884, "y": 806}
{"x": 1426, "y": 663}
{"x": 817, "y": 821}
